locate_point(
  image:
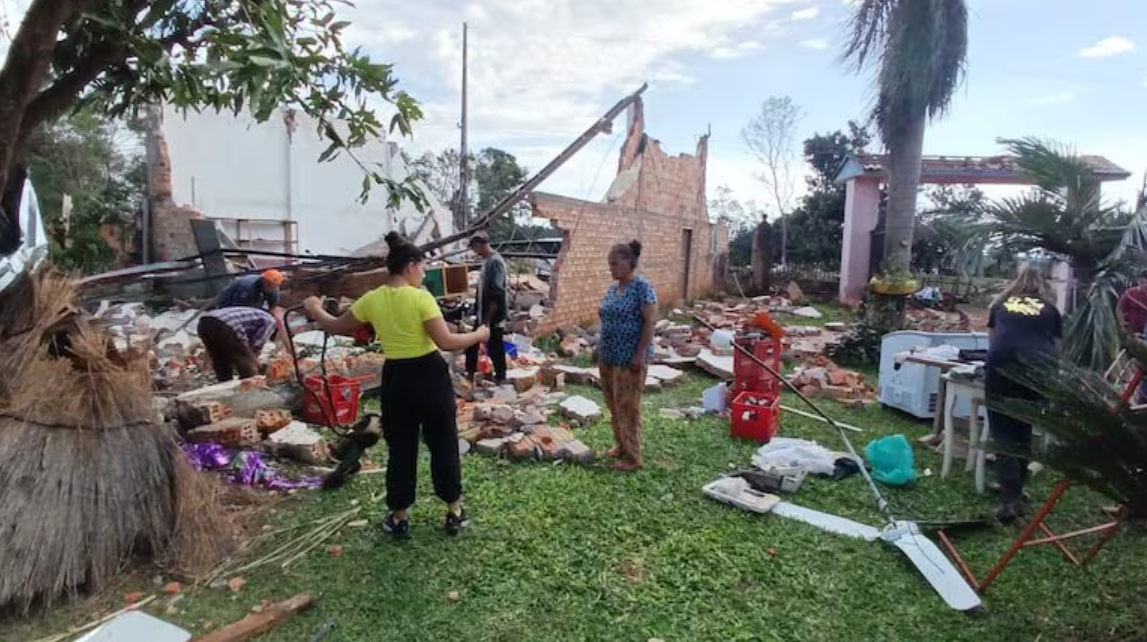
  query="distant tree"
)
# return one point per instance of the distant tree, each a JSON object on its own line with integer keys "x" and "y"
{"x": 825, "y": 152}
{"x": 771, "y": 135}
{"x": 496, "y": 173}
{"x": 945, "y": 239}
{"x": 741, "y": 246}
{"x": 815, "y": 225}
{"x": 440, "y": 172}
{"x": 725, "y": 208}
{"x": 97, "y": 164}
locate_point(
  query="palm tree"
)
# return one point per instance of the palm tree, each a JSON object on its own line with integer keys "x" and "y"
{"x": 920, "y": 49}
{"x": 1066, "y": 216}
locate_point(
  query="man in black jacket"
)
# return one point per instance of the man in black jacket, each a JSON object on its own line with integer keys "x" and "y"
{"x": 492, "y": 303}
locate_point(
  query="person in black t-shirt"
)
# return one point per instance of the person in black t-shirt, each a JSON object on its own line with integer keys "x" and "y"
{"x": 1023, "y": 320}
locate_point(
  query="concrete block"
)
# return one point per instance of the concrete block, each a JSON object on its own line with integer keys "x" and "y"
{"x": 580, "y": 409}
{"x": 576, "y": 451}
{"x": 665, "y": 374}
{"x": 491, "y": 446}
{"x": 300, "y": 442}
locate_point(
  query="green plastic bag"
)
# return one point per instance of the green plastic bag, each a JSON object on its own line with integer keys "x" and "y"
{"x": 892, "y": 460}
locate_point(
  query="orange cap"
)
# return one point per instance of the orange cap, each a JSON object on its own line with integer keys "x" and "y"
{"x": 274, "y": 277}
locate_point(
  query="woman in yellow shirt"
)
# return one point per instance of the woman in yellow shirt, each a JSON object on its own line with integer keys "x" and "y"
{"x": 417, "y": 393}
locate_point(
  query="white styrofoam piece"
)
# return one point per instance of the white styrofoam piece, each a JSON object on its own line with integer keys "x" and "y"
{"x": 737, "y": 492}
{"x": 136, "y": 626}
{"x": 713, "y": 399}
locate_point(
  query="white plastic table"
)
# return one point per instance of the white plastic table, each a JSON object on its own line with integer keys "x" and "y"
{"x": 977, "y": 435}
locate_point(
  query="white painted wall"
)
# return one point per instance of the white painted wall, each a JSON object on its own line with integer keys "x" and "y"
{"x": 232, "y": 167}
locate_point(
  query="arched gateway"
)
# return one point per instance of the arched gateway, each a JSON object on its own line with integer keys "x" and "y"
{"x": 863, "y": 175}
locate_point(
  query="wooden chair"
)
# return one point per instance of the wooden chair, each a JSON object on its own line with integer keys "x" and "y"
{"x": 1125, "y": 375}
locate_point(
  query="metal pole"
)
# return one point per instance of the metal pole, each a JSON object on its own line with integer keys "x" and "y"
{"x": 464, "y": 170}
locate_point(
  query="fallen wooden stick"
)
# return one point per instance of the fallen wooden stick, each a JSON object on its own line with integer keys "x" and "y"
{"x": 820, "y": 419}
{"x": 259, "y": 623}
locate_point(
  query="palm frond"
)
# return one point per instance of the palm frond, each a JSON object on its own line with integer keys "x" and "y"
{"x": 1092, "y": 330}
{"x": 922, "y": 49}
{"x": 1052, "y": 166}
{"x": 1086, "y": 236}
{"x": 1134, "y": 237}
{"x": 1096, "y": 441}
{"x": 868, "y": 29}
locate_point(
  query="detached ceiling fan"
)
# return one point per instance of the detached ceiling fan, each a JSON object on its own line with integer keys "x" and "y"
{"x": 904, "y": 535}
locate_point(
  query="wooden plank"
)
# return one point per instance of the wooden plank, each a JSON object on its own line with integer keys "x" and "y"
{"x": 259, "y": 623}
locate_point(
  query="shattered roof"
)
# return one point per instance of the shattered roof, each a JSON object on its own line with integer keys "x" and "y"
{"x": 966, "y": 169}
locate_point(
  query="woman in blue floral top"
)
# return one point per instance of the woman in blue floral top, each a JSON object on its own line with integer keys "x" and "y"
{"x": 628, "y": 314}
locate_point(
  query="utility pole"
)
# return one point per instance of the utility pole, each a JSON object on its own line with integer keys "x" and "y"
{"x": 464, "y": 167}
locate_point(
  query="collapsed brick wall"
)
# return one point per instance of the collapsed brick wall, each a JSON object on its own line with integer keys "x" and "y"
{"x": 657, "y": 199}
{"x": 170, "y": 224}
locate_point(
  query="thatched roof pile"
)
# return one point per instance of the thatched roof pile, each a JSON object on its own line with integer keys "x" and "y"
{"x": 89, "y": 479}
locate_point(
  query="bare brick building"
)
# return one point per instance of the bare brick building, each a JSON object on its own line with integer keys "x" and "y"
{"x": 657, "y": 199}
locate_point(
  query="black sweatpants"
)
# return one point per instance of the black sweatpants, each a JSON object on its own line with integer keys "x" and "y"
{"x": 1012, "y": 435}
{"x": 418, "y": 397}
{"x": 495, "y": 348}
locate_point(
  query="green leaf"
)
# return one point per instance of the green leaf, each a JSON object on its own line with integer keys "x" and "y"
{"x": 263, "y": 61}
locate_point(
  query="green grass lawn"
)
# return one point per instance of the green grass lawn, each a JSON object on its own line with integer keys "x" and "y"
{"x": 558, "y": 552}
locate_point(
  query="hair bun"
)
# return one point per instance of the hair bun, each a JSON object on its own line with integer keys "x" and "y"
{"x": 393, "y": 239}
{"x": 635, "y": 247}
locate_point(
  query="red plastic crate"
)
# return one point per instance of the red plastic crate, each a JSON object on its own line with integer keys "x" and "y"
{"x": 751, "y": 377}
{"x": 755, "y": 416}
{"x": 342, "y": 410}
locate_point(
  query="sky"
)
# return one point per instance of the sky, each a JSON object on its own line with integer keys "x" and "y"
{"x": 541, "y": 71}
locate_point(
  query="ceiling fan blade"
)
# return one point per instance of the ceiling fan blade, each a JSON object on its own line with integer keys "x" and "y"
{"x": 934, "y": 565}
{"x": 827, "y": 522}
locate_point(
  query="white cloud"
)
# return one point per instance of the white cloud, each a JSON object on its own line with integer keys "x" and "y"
{"x": 739, "y": 50}
{"x": 1053, "y": 99}
{"x": 814, "y": 43}
{"x": 1113, "y": 46}
{"x": 395, "y": 34}
{"x": 542, "y": 72}
{"x": 806, "y": 14}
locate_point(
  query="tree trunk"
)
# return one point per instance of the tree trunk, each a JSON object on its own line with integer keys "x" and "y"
{"x": 886, "y": 312}
{"x": 760, "y": 260}
{"x": 905, "y": 149}
{"x": 24, "y": 74}
{"x": 11, "y": 195}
